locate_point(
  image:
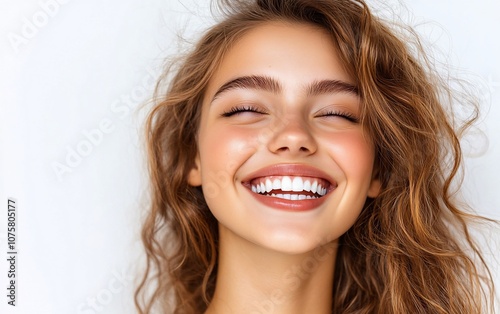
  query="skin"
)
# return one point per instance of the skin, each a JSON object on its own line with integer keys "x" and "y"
{"x": 277, "y": 260}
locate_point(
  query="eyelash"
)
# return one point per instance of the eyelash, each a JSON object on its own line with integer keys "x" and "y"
{"x": 239, "y": 109}
{"x": 346, "y": 115}
{"x": 249, "y": 108}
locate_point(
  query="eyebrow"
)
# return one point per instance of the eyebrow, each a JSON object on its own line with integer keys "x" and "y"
{"x": 251, "y": 82}
{"x": 272, "y": 85}
{"x": 331, "y": 86}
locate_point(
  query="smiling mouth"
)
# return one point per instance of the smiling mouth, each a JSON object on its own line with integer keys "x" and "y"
{"x": 291, "y": 187}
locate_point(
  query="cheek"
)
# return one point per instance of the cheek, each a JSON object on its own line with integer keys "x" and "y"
{"x": 222, "y": 145}
{"x": 222, "y": 151}
{"x": 353, "y": 153}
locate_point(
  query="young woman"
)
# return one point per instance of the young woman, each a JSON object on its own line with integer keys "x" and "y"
{"x": 302, "y": 161}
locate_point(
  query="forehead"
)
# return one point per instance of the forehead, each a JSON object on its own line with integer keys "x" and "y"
{"x": 293, "y": 53}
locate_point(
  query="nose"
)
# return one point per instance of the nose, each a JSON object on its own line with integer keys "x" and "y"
{"x": 292, "y": 136}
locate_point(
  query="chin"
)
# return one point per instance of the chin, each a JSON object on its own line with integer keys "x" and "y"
{"x": 292, "y": 243}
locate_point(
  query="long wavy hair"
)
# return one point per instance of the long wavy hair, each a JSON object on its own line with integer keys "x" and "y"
{"x": 410, "y": 251}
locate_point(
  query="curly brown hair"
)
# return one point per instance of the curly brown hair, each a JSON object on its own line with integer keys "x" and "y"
{"x": 410, "y": 251}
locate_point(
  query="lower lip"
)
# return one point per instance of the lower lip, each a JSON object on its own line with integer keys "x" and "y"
{"x": 289, "y": 205}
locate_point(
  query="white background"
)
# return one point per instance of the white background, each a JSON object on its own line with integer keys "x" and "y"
{"x": 72, "y": 78}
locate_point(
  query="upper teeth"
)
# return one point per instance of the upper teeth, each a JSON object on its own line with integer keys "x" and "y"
{"x": 286, "y": 183}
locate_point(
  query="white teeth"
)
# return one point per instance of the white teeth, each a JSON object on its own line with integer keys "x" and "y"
{"x": 277, "y": 184}
{"x": 322, "y": 192}
{"x": 297, "y": 184}
{"x": 286, "y": 184}
{"x": 293, "y": 197}
{"x": 314, "y": 187}
{"x": 307, "y": 186}
{"x": 269, "y": 185}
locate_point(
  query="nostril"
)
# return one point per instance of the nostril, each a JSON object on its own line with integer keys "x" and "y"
{"x": 293, "y": 140}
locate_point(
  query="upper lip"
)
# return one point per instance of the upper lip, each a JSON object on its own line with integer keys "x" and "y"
{"x": 298, "y": 170}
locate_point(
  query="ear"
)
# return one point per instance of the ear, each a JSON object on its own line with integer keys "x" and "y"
{"x": 194, "y": 176}
{"x": 375, "y": 185}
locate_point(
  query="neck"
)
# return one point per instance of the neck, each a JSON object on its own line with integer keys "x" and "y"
{"x": 252, "y": 279}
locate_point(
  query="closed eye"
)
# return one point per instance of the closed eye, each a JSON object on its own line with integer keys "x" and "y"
{"x": 342, "y": 114}
{"x": 241, "y": 109}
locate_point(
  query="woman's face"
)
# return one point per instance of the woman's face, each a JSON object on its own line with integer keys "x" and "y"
{"x": 283, "y": 162}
